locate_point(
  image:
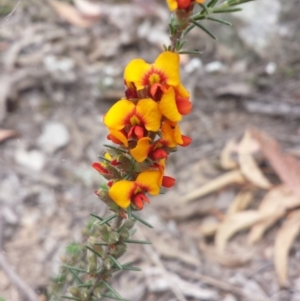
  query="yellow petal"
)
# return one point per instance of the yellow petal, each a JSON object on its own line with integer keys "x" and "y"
{"x": 147, "y": 110}
{"x": 120, "y": 136}
{"x": 117, "y": 116}
{"x": 168, "y": 106}
{"x": 171, "y": 133}
{"x": 149, "y": 181}
{"x": 182, "y": 91}
{"x": 107, "y": 156}
{"x": 172, "y": 4}
{"x": 168, "y": 63}
{"x": 121, "y": 192}
{"x": 135, "y": 72}
{"x": 141, "y": 151}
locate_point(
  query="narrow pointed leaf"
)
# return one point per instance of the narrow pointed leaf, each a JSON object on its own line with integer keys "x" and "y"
{"x": 104, "y": 159}
{"x": 85, "y": 285}
{"x": 129, "y": 212}
{"x": 141, "y": 220}
{"x": 111, "y": 289}
{"x": 188, "y": 52}
{"x": 114, "y": 148}
{"x": 205, "y": 8}
{"x": 226, "y": 10}
{"x": 189, "y": 28}
{"x": 131, "y": 268}
{"x": 95, "y": 252}
{"x": 205, "y": 30}
{"x": 142, "y": 242}
{"x": 212, "y": 3}
{"x": 219, "y": 21}
{"x": 100, "y": 218}
{"x": 117, "y": 263}
{"x": 74, "y": 268}
{"x": 78, "y": 280}
{"x": 108, "y": 219}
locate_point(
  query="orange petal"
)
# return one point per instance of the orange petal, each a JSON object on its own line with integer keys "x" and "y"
{"x": 186, "y": 141}
{"x": 118, "y": 115}
{"x": 168, "y": 106}
{"x": 121, "y": 192}
{"x": 147, "y": 110}
{"x": 168, "y": 182}
{"x": 142, "y": 149}
{"x": 200, "y": 1}
{"x": 135, "y": 72}
{"x": 168, "y": 63}
{"x": 184, "y": 106}
{"x": 149, "y": 181}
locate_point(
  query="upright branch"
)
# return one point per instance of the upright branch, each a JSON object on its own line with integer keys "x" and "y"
{"x": 143, "y": 128}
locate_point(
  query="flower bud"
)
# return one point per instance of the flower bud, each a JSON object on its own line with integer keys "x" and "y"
{"x": 107, "y": 263}
{"x": 119, "y": 250}
{"x": 74, "y": 291}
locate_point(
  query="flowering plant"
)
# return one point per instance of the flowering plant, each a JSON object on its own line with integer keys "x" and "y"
{"x": 144, "y": 130}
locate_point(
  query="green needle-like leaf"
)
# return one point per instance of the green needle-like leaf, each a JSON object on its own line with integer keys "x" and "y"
{"x": 100, "y": 218}
{"x": 74, "y": 268}
{"x": 225, "y": 10}
{"x": 205, "y": 30}
{"x": 95, "y": 252}
{"x": 70, "y": 298}
{"x": 117, "y": 263}
{"x": 108, "y": 219}
{"x": 219, "y": 21}
{"x": 114, "y": 148}
{"x": 131, "y": 268}
{"x": 142, "y": 242}
{"x": 129, "y": 212}
{"x": 111, "y": 289}
{"x": 212, "y": 3}
{"x": 78, "y": 280}
{"x": 189, "y": 28}
{"x": 205, "y": 9}
{"x": 141, "y": 220}
{"x": 104, "y": 159}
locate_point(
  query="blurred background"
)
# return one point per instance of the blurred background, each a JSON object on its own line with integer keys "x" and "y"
{"x": 61, "y": 68}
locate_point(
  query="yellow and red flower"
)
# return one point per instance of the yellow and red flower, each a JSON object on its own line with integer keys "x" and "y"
{"x": 126, "y": 192}
{"x": 164, "y": 71}
{"x": 182, "y": 4}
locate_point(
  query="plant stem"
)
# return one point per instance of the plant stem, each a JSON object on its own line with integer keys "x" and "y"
{"x": 100, "y": 276}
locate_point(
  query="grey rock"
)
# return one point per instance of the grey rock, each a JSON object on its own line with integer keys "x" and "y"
{"x": 261, "y": 24}
{"x": 54, "y": 137}
{"x": 33, "y": 159}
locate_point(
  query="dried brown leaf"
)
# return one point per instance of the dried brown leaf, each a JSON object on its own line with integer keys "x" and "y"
{"x": 227, "y": 259}
{"x": 88, "y": 8}
{"x": 233, "y": 224}
{"x": 8, "y": 134}
{"x": 286, "y": 166}
{"x": 274, "y": 205}
{"x": 70, "y": 14}
{"x": 283, "y": 243}
{"x": 209, "y": 228}
{"x": 248, "y": 165}
{"x": 226, "y": 157}
{"x": 231, "y": 177}
{"x": 240, "y": 202}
